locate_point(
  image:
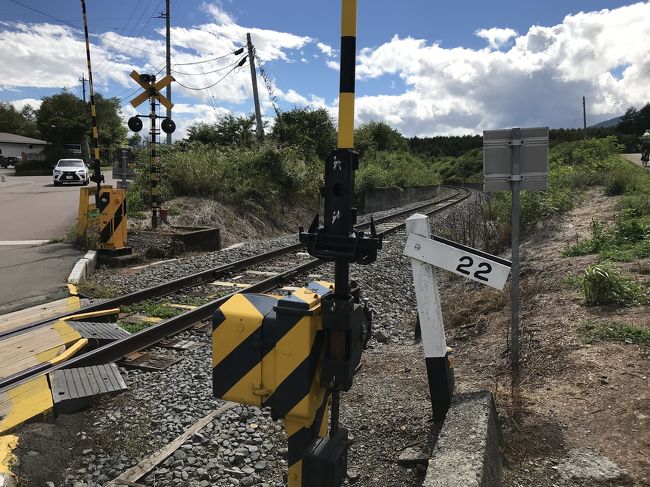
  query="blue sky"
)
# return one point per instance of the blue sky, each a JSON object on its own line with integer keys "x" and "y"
{"x": 424, "y": 67}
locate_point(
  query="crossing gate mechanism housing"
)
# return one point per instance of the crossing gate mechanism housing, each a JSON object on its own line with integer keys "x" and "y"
{"x": 112, "y": 218}
{"x": 268, "y": 351}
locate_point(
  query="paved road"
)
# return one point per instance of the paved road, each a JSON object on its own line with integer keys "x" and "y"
{"x": 635, "y": 158}
{"x": 33, "y": 209}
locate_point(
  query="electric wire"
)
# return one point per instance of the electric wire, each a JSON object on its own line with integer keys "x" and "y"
{"x": 204, "y": 72}
{"x": 207, "y": 60}
{"x": 216, "y": 82}
{"x": 76, "y": 27}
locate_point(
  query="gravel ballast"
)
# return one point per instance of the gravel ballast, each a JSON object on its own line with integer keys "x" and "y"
{"x": 387, "y": 410}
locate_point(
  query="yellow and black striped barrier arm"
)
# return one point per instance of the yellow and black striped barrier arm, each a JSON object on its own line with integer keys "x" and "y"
{"x": 97, "y": 172}
{"x": 266, "y": 351}
{"x": 346, "y": 83}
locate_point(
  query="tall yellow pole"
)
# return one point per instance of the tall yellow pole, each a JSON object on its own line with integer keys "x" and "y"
{"x": 346, "y": 89}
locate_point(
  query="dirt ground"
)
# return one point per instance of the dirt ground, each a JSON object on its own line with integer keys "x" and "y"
{"x": 568, "y": 394}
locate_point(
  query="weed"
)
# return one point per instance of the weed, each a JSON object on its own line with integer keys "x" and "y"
{"x": 603, "y": 286}
{"x": 593, "y": 331}
{"x": 133, "y": 327}
{"x": 95, "y": 289}
{"x": 598, "y": 241}
{"x": 152, "y": 308}
{"x": 572, "y": 281}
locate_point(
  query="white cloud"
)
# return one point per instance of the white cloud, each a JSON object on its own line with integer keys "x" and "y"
{"x": 20, "y": 104}
{"x": 495, "y": 36}
{"x": 326, "y": 49}
{"x": 539, "y": 80}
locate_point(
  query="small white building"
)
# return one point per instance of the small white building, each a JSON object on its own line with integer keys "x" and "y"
{"x": 12, "y": 145}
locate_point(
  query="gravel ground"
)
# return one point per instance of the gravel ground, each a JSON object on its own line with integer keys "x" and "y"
{"x": 387, "y": 408}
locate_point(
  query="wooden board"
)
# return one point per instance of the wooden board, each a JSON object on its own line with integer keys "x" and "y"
{"x": 20, "y": 352}
{"x": 12, "y": 321}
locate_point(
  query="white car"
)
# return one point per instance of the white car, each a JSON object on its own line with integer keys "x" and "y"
{"x": 70, "y": 171}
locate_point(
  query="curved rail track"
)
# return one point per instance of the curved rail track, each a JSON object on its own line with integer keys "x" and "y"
{"x": 155, "y": 333}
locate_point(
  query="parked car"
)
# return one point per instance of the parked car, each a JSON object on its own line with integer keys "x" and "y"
{"x": 12, "y": 161}
{"x": 70, "y": 171}
{"x": 3, "y": 161}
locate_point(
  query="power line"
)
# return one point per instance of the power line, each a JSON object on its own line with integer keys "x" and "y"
{"x": 204, "y": 72}
{"x": 76, "y": 27}
{"x": 236, "y": 53}
{"x": 241, "y": 62}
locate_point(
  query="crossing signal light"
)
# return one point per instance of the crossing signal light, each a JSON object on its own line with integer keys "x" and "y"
{"x": 168, "y": 125}
{"x": 135, "y": 124}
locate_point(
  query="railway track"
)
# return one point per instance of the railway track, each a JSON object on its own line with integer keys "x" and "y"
{"x": 250, "y": 274}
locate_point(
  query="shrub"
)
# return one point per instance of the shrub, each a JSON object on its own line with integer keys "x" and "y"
{"x": 34, "y": 168}
{"x": 602, "y": 286}
{"x": 394, "y": 169}
{"x": 620, "y": 180}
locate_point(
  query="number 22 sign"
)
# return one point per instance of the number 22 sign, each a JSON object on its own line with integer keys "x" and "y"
{"x": 462, "y": 260}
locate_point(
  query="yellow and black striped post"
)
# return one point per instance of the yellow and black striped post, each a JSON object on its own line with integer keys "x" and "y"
{"x": 266, "y": 352}
{"x": 347, "y": 74}
{"x": 97, "y": 176}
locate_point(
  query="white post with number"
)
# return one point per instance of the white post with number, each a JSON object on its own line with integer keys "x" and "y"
{"x": 431, "y": 324}
{"x": 427, "y": 251}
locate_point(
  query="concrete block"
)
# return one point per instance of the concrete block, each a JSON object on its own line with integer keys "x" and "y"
{"x": 468, "y": 450}
{"x": 91, "y": 257}
{"x": 78, "y": 273}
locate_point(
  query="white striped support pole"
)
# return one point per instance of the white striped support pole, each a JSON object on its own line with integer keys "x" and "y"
{"x": 439, "y": 374}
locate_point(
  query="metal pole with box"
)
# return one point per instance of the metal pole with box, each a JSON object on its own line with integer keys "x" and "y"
{"x": 514, "y": 160}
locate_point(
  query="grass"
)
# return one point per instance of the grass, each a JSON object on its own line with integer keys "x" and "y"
{"x": 152, "y": 308}
{"x": 97, "y": 290}
{"x": 611, "y": 331}
{"x": 602, "y": 285}
{"x": 133, "y": 327}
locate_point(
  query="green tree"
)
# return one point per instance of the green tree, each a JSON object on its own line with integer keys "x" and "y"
{"x": 230, "y": 131}
{"x": 18, "y": 122}
{"x": 65, "y": 119}
{"x": 62, "y": 119}
{"x": 378, "y": 136}
{"x": 311, "y": 130}
{"x": 112, "y": 132}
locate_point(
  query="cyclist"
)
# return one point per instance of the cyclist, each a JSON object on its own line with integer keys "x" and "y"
{"x": 645, "y": 147}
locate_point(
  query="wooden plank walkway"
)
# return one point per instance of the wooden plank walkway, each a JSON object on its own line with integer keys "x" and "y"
{"x": 17, "y": 319}
{"x": 25, "y": 350}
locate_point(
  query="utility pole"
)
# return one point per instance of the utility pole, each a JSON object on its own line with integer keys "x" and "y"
{"x": 584, "y": 113}
{"x": 83, "y": 86}
{"x": 169, "y": 65}
{"x": 258, "y": 114}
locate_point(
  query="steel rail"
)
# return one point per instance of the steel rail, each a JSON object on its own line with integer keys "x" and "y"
{"x": 153, "y": 334}
{"x": 201, "y": 277}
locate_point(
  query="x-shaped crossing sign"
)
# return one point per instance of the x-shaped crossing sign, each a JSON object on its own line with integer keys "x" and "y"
{"x": 159, "y": 85}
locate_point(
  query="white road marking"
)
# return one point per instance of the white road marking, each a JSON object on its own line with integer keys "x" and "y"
{"x": 23, "y": 242}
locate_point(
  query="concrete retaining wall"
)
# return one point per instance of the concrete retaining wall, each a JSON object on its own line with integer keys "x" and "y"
{"x": 468, "y": 450}
{"x": 379, "y": 199}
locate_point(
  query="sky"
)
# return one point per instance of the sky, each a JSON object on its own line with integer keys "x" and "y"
{"x": 425, "y": 67}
